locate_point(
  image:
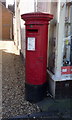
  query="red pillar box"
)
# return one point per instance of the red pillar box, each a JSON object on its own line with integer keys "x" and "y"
{"x": 36, "y": 54}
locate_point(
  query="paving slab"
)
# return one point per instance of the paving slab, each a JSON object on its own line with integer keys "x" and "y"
{"x": 59, "y": 107}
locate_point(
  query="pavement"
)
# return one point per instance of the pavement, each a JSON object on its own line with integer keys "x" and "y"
{"x": 0, "y": 84}
{"x": 51, "y": 109}
{"x": 12, "y": 90}
{"x": 58, "y": 107}
{"x": 12, "y": 83}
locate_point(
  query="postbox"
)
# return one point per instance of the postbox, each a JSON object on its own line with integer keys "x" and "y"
{"x": 36, "y": 54}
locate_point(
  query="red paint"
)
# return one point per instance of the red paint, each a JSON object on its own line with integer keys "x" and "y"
{"x": 36, "y": 61}
{"x": 66, "y": 70}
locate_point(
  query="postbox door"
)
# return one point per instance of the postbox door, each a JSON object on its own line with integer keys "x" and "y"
{"x": 36, "y": 49}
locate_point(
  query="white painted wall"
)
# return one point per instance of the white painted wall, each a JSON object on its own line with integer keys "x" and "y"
{"x": 24, "y": 6}
{"x": 59, "y": 16}
{"x": 60, "y": 37}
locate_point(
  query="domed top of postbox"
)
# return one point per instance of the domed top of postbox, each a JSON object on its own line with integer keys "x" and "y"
{"x": 36, "y": 17}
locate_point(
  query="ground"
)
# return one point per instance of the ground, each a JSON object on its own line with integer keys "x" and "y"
{"x": 12, "y": 89}
{"x": 13, "y": 83}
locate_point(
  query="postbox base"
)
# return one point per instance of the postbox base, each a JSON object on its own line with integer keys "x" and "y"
{"x": 35, "y": 93}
